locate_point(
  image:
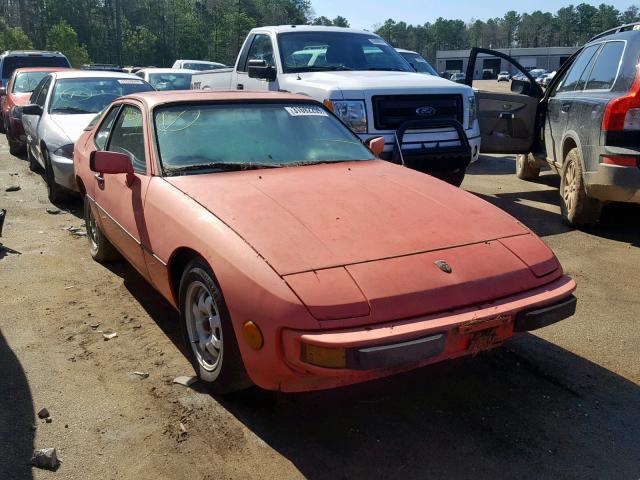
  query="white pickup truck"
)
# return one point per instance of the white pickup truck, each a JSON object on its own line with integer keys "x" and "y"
{"x": 429, "y": 123}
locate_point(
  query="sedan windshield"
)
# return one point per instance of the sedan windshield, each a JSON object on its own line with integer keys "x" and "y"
{"x": 91, "y": 95}
{"x": 26, "y": 82}
{"x": 419, "y": 63}
{"x": 170, "y": 81}
{"x": 210, "y": 137}
{"x": 327, "y": 51}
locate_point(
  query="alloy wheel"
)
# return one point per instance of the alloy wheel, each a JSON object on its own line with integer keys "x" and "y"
{"x": 204, "y": 326}
{"x": 570, "y": 191}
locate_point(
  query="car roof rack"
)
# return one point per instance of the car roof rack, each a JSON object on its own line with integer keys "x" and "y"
{"x": 622, "y": 28}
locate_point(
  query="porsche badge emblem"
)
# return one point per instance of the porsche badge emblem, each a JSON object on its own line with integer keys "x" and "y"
{"x": 444, "y": 266}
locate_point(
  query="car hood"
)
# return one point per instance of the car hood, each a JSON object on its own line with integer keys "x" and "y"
{"x": 72, "y": 125}
{"x": 392, "y": 82}
{"x": 308, "y": 218}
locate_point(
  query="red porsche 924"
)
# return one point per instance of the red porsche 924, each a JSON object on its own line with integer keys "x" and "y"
{"x": 296, "y": 258}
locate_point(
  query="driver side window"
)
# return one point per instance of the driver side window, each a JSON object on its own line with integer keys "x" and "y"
{"x": 42, "y": 95}
{"x": 102, "y": 135}
{"x": 128, "y": 137}
{"x": 261, "y": 49}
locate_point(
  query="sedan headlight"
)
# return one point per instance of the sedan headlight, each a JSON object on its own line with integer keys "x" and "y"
{"x": 65, "y": 151}
{"x": 473, "y": 111}
{"x": 351, "y": 112}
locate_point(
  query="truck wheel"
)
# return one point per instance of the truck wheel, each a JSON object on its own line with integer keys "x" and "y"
{"x": 525, "y": 167}
{"x": 576, "y": 207}
{"x": 100, "y": 247}
{"x": 208, "y": 333}
{"x": 454, "y": 178}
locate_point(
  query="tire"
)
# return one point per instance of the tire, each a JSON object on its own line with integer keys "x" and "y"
{"x": 54, "y": 191}
{"x": 3, "y": 129}
{"x": 100, "y": 248}
{"x": 208, "y": 332}
{"x": 454, "y": 178}
{"x": 525, "y": 167}
{"x": 34, "y": 166}
{"x": 576, "y": 207}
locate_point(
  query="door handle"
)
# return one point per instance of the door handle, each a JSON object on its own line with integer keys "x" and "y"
{"x": 240, "y": 86}
{"x": 506, "y": 116}
{"x": 565, "y": 107}
{"x": 99, "y": 178}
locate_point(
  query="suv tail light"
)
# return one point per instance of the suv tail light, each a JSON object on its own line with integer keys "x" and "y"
{"x": 623, "y": 113}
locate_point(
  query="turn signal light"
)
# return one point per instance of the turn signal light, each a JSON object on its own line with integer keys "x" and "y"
{"x": 621, "y": 161}
{"x": 253, "y": 335}
{"x": 324, "y": 357}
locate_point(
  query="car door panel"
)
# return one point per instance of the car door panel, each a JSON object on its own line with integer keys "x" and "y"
{"x": 508, "y": 119}
{"x": 120, "y": 197}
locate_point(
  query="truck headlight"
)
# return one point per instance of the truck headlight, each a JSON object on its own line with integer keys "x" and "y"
{"x": 473, "y": 111}
{"x": 351, "y": 112}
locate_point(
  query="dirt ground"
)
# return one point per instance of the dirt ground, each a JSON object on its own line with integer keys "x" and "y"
{"x": 561, "y": 403}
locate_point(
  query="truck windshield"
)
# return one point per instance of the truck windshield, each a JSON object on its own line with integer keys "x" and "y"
{"x": 327, "y": 51}
{"x": 201, "y": 138}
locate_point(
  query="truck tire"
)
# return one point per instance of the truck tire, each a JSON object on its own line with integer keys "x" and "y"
{"x": 525, "y": 167}
{"x": 576, "y": 207}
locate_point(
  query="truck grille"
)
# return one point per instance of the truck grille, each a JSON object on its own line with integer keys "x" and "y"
{"x": 391, "y": 111}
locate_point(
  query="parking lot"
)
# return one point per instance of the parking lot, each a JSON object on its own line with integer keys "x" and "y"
{"x": 561, "y": 403}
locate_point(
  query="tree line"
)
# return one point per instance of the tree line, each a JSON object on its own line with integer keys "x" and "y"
{"x": 156, "y": 32}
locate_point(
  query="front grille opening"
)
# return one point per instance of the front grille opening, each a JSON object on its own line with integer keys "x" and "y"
{"x": 391, "y": 111}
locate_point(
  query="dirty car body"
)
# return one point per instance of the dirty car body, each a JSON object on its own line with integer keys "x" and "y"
{"x": 347, "y": 267}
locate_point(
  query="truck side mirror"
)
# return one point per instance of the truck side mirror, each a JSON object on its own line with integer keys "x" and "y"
{"x": 261, "y": 70}
{"x": 32, "y": 110}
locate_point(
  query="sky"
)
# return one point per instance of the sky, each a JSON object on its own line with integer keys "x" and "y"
{"x": 367, "y": 13}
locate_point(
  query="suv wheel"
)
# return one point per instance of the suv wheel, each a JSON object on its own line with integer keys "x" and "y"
{"x": 576, "y": 207}
{"x": 525, "y": 167}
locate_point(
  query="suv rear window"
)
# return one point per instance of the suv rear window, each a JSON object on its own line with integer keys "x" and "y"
{"x": 575, "y": 72}
{"x": 12, "y": 62}
{"x": 605, "y": 70}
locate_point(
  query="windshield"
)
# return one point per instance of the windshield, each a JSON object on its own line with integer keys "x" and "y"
{"x": 201, "y": 66}
{"x": 213, "y": 137}
{"x": 11, "y": 63}
{"x": 419, "y": 63}
{"x": 327, "y": 51}
{"x": 27, "y": 82}
{"x": 91, "y": 95}
{"x": 170, "y": 81}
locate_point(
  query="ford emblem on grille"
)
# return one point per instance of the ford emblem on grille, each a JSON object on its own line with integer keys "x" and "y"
{"x": 444, "y": 266}
{"x": 426, "y": 111}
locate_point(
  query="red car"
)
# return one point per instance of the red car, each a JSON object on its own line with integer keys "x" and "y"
{"x": 18, "y": 92}
{"x": 297, "y": 259}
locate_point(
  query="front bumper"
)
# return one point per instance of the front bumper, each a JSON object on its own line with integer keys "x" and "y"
{"x": 382, "y": 350}
{"x": 63, "y": 172}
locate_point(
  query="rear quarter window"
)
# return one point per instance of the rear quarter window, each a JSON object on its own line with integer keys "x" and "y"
{"x": 605, "y": 70}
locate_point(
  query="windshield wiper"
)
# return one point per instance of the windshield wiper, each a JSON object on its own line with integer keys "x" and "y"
{"x": 70, "y": 110}
{"x": 387, "y": 69}
{"x": 222, "y": 166}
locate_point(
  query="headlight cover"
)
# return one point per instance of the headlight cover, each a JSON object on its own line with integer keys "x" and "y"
{"x": 351, "y": 112}
{"x": 473, "y": 111}
{"x": 65, "y": 151}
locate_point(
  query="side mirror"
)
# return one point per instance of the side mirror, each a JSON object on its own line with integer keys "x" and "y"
{"x": 32, "y": 110}
{"x": 376, "y": 145}
{"x": 259, "y": 69}
{"x": 110, "y": 162}
{"x": 522, "y": 87}
{"x": 3, "y": 91}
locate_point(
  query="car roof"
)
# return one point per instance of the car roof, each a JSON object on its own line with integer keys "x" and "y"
{"x": 166, "y": 70}
{"x": 32, "y": 52}
{"x": 310, "y": 28}
{"x": 155, "y": 98}
{"x": 93, "y": 74}
{"x": 624, "y": 31}
{"x": 402, "y": 50}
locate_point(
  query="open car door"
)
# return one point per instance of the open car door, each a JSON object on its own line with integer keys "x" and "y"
{"x": 507, "y": 111}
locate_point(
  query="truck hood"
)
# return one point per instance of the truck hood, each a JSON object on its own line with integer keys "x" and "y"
{"x": 352, "y": 82}
{"x": 308, "y": 218}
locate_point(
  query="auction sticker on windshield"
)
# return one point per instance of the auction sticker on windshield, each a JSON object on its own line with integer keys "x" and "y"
{"x": 306, "y": 111}
{"x": 129, "y": 82}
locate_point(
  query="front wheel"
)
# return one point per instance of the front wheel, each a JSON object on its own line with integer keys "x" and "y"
{"x": 34, "y": 166}
{"x": 576, "y": 207}
{"x": 208, "y": 332}
{"x": 54, "y": 191}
